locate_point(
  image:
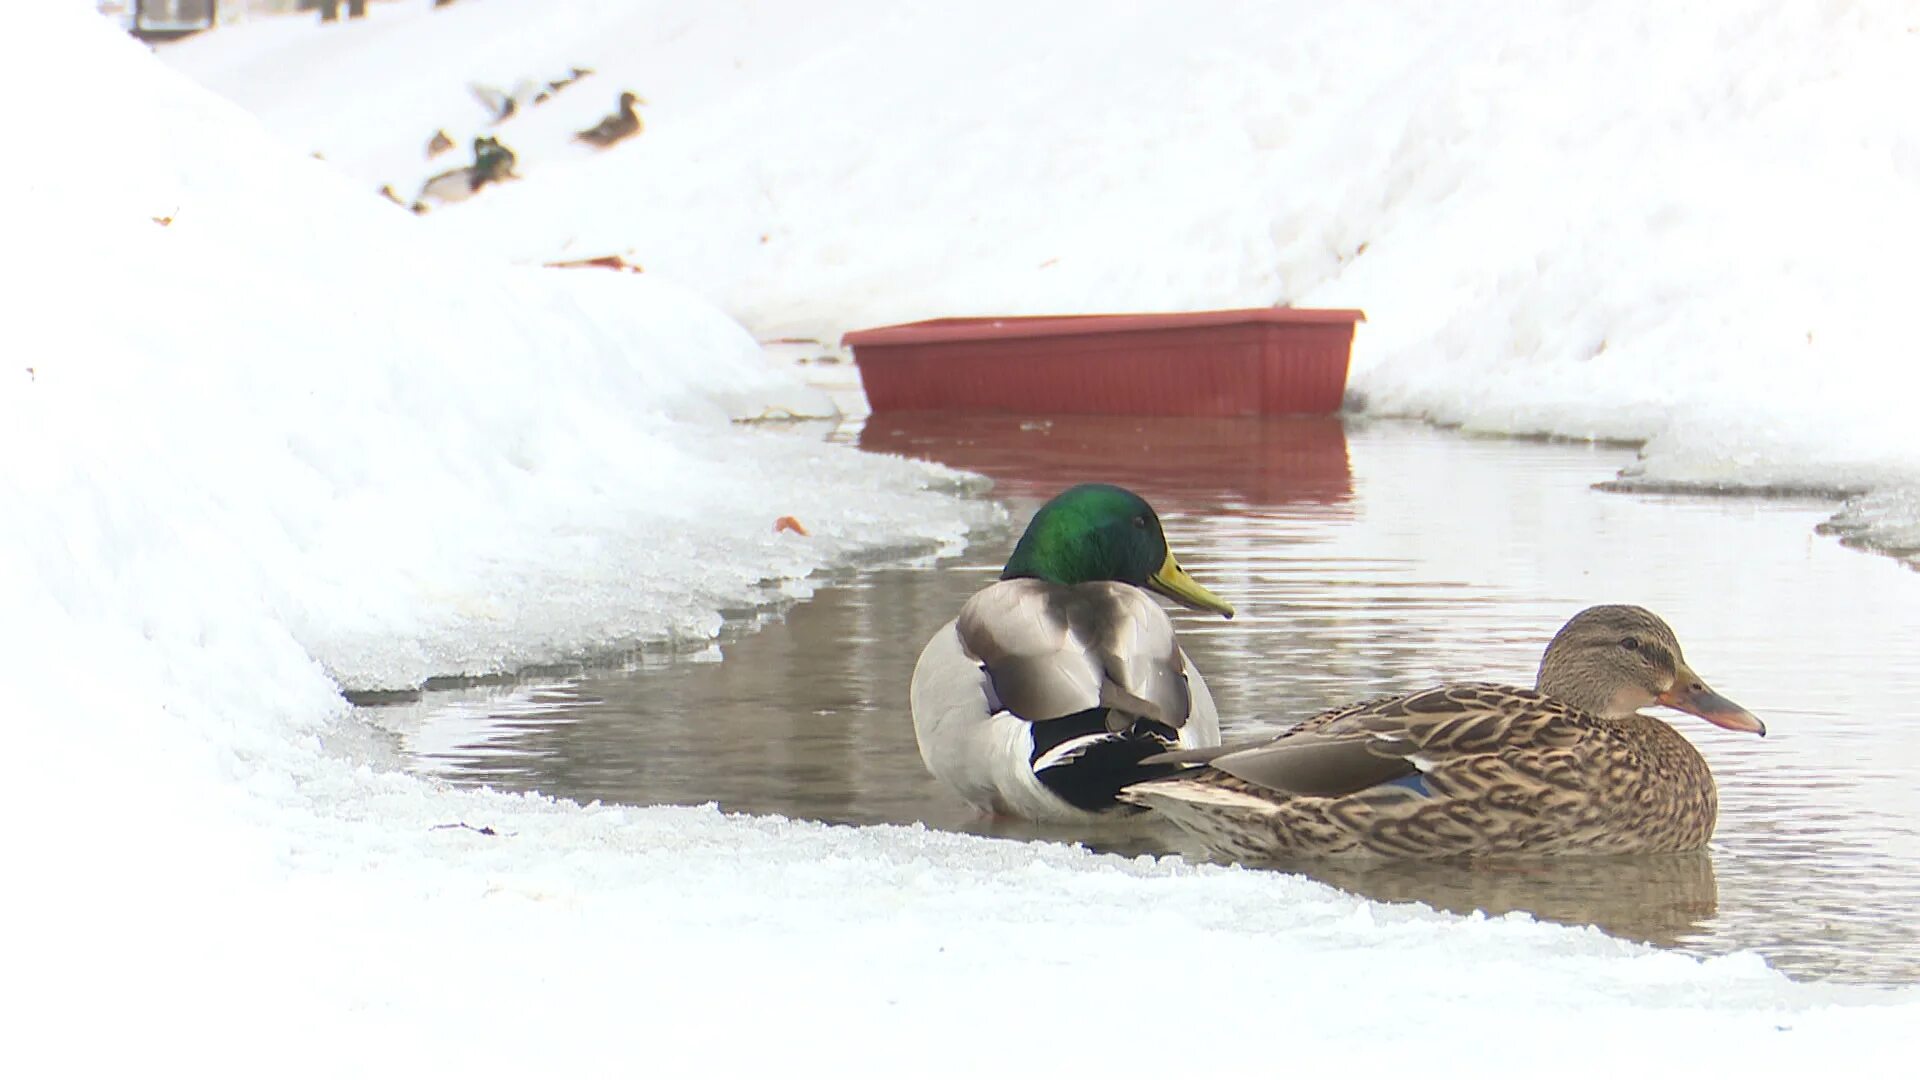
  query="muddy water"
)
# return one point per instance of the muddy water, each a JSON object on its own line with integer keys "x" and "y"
{"x": 1364, "y": 559}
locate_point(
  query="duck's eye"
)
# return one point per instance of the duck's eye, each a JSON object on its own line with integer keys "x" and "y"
{"x": 1139, "y": 521}
{"x": 1631, "y": 644}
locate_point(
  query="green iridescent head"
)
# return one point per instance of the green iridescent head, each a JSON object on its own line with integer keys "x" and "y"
{"x": 1099, "y": 532}
{"x": 491, "y": 157}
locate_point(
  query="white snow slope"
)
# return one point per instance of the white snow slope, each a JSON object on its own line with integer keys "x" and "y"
{"x": 261, "y": 436}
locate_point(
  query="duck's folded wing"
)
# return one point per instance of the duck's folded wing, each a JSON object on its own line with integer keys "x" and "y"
{"x": 1377, "y": 742}
{"x": 1055, "y": 650}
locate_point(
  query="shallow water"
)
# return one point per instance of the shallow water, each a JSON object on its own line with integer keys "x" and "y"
{"x": 1366, "y": 559}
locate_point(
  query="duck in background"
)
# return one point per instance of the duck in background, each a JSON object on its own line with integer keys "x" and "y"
{"x": 554, "y": 86}
{"x": 1571, "y": 767}
{"x": 501, "y": 105}
{"x": 1042, "y": 698}
{"x": 624, "y": 123}
{"x": 492, "y": 163}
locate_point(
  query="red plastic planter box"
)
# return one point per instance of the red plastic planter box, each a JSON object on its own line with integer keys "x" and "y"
{"x": 1256, "y": 362}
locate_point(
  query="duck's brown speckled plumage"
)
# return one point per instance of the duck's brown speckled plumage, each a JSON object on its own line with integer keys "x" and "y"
{"x": 624, "y": 123}
{"x": 1470, "y": 769}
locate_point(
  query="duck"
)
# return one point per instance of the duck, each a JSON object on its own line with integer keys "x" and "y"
{"x": 493, "y": 162}
{"x": 622, "y": 124}
{"x": 1042, "y": 697}
{"x": 554, "y": 86}
{"x": 1569, "y": 767}
{"x": 502, "y": 104}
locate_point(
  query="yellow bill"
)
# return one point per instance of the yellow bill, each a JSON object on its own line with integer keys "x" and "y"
{"x": 1173, "y": 583}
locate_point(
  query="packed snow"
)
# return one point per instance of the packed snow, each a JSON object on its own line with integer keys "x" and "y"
{"x": 265, "y": 437}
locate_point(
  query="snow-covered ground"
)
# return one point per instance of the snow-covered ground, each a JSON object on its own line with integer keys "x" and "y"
{"x": 263, "y": 436}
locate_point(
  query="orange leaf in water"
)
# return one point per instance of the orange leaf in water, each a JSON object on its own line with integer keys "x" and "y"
{"x": 789, "y": 524}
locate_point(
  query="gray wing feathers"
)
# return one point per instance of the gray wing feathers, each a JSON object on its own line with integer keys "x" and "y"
{"x": 1035, "y": 665}
{"x": 1053, "y": 650}
{"x": 1204, "y": 755}
{"x": 1372, "y": 742}
{"x": 1313, "y": 763}
{"x": 1338, "y": 752}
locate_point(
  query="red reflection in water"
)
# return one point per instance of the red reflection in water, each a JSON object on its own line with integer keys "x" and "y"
{"x": 1175, "y": 462}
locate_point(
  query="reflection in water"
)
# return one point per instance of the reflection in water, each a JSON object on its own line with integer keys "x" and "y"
{"x": 1370, "y": 561}
{"x": 1662, "y": 899}
{"x": 1186, "y": 462}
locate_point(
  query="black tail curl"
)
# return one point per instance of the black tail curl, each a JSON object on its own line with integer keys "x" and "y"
{"x": 1090, "y": 775}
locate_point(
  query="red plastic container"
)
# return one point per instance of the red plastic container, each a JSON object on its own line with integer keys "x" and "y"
{"x": 1255, "y": 362}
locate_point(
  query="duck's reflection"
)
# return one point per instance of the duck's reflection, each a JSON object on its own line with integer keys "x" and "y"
{"x": 1659, "y": 899}
{"x": 1180, "y": 463}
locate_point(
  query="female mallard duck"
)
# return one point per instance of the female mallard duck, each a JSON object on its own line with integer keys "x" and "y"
{"x": 623, "y": 123}
{"x": 1476, "y": 768}
{"x": 1040, "y": 700}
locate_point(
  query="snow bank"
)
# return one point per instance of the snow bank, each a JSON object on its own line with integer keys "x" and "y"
{"x": 375, "y": 441}
{"x": 279, "y": 441}
{"x": 259, "y": 440}
{"x": 1689, "y": 228}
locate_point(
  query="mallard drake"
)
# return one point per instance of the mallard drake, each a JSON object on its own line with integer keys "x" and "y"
{"x": 1042, "y": 697}
{"x": 492, "y": 163}
{"x": 1569, "y": 767}
{"x": 623, "y": 123}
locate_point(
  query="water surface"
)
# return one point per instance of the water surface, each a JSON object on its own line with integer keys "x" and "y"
{"x": 1364, "y": 559}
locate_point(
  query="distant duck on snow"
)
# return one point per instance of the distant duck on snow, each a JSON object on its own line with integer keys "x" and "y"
{"x": 492, "y": 163}
{"x": 554, "y": 86}
{"x": 622, "y": 124}
{"x": 501, "y": 105}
